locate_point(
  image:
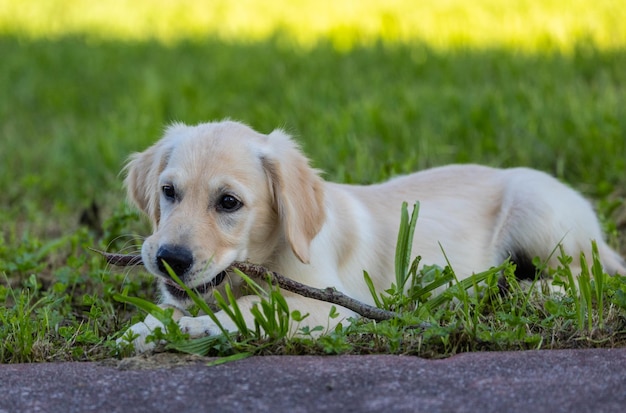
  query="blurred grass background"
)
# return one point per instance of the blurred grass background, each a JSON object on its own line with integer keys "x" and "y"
{"x": 371, "y": 88}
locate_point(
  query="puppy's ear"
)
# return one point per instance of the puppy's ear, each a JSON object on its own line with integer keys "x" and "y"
{"x": 142, "y": 179}
{"x": 298, "y": 192}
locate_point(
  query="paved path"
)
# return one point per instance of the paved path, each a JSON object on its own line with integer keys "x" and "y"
{"x": 529, "y": 382}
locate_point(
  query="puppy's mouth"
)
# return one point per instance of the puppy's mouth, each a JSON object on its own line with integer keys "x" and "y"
{"x": 177, "y": 292}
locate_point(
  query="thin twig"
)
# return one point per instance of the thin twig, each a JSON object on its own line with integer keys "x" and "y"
{"x": 330, "y": 295}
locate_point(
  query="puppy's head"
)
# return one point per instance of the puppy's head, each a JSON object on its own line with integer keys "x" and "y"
{"x": 218, "y": 193}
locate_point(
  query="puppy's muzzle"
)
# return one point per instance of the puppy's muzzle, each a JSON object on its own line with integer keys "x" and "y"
{"x": 180, "y": 260}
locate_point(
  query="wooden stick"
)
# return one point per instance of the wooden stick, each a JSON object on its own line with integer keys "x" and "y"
{"x": 330, "y": 295}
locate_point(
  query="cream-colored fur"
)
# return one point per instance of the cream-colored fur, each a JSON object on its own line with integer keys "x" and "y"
{"x": 286, "y": 218}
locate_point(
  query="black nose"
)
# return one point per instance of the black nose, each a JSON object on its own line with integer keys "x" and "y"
{"x": 178, "y": 258}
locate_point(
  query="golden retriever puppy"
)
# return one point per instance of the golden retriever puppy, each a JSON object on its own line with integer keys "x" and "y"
{"x": 220, "y": 192}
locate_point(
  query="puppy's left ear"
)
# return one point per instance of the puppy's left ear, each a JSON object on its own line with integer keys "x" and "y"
{"x": 298, "y": 192}
{"x": 142, "y": 178}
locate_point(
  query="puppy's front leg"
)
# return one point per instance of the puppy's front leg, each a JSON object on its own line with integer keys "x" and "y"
{"x": 318, "y": 315}
{"x": 204, "y": 326}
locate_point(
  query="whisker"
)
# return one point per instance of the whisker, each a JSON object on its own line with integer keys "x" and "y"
{"x": 129, "y": 254}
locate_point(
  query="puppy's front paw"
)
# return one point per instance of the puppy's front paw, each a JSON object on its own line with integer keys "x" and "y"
{"x": 139, "y": 332}
{"x": 198, "y": 326}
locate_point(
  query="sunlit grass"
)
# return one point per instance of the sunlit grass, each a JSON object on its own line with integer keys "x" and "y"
{"x": 530, "y": 25}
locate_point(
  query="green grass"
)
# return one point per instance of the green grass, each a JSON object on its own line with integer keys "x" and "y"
{"x": 367, "y": 100}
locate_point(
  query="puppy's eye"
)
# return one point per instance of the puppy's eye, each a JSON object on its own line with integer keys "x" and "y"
{"x": 169, "y": 192}
{"x": 229, "y": 203}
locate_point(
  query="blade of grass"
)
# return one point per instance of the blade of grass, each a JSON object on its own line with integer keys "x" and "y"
{"x": 598, "y": 277}
{"x": 404, "y": 245}
{"x": 372, "y": 289}
{"x": 228, "y": 359}
{"x": 584, "y": 285}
